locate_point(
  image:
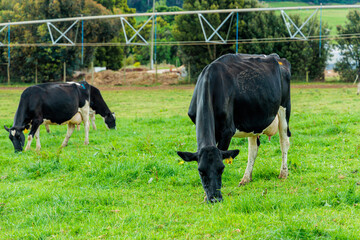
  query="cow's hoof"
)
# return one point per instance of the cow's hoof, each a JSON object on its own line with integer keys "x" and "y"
{"x": 63, "y": 145}
{"x": 86, "y": 142}
{"x": 244, "y": 181}
{"x": 283, "y": 174}
{"x": 38, "y": 149}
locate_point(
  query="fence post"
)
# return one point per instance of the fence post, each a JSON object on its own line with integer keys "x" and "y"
{"x": 36, "y": 72}
{"x": 124, "y": 64}
{"x": 8, "y": 72}
{"x": 189, "y": 72}
{"x": 307, "y": 74}
{"x": 92, "y": 73}
{"x": 64, "y": 72}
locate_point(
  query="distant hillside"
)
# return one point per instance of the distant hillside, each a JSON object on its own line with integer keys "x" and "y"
{"x": 144, "y": 5}
{"x": 318, "y": 2}
{"x": 333, "y": 17}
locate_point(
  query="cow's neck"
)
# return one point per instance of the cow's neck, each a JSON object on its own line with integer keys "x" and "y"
{"x": 205, "y": 125}
{"x": 102, "y": 111}
{"x": 20, "y": 116}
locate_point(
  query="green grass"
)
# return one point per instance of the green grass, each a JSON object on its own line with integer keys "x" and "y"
{"x": 104, "y": 190}
{"x": 332, "y": 17}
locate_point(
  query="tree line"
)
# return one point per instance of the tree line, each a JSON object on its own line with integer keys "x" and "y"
{"x": 307, "y": 57}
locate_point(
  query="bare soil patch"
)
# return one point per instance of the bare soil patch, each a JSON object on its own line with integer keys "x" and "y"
{"x": 133, "y": 77}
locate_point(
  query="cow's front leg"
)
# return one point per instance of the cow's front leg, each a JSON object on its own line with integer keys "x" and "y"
{"x": 35, "y": 124}
{"x": 253, "y": 150}
{"x": 47, "y": 128}
{"x": 225, "y": 139}
{"x": 37, "y": 138}
{"x": 70, "y": 131}
{"x": 284, "y": 142}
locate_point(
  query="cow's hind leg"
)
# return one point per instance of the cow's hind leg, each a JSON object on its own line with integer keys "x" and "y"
{"x": 284, "y": 142}
{"x": 92, "y": 117}
{"x": 84, "y": 111}
{"x": 253, "y": 150}
{"x": 70, "y": 130}
{"x": 37, "y": 138}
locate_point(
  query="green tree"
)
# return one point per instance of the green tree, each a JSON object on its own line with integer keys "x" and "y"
{"x": 252, "y": 26}
{"x": 349, "y": 47}
{"x": 49, "y": 59}
{"x": 112, "y": 57}
{"x": 164, "y": 26}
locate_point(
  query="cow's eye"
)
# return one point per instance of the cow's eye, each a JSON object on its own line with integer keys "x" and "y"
{"x": 201, "y": 173}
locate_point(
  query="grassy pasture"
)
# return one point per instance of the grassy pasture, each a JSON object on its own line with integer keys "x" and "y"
{"x": 332, "y": 17}
{"x": 128, "y": 184}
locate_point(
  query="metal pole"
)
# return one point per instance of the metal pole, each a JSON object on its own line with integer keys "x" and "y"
{"x": 64, "y": 80}
{"x": 8, "y": 66}
{"x": 152, "y": 41}
{"x": 156, "y": 73}
{"x": 8, "y": 73}
{"x": 82, "y": 42}
{"x": 237, "y": 31}
{"x": 320, "y": 29}
{"x": 181, "y": 13}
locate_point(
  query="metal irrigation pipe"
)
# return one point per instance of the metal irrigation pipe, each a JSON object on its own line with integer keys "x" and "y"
{"x": 179, "y": 13}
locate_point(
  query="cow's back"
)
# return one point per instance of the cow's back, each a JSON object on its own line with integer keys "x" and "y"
{"x": 54, "y": 101}
{"x": 245, "y": 91}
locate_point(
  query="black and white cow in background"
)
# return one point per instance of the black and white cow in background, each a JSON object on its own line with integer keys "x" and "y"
{"x": 98, "y": 106}
{"x": 50, "y": 103}
{"x": 238, "y": 95}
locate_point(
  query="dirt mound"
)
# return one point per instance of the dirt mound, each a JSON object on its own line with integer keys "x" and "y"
{"x": 129, "y": 78}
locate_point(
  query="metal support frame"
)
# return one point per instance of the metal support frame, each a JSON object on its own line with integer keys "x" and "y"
{"x": 200, "y": 13}
{"x": 82, "y": 42}
{"x": 9, "y": 45}
{"x": 62, "y": 34}
{"x": 288, "y": 22}
{"x": 137, "y": 32}
{"x": 2, "y": 29}
{"x": 155, "y": 40}
{"x": 215, "y": 31}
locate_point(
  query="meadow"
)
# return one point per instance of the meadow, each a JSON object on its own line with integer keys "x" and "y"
{"x": 332, "y": 17}
{"x": 129, "y": 183}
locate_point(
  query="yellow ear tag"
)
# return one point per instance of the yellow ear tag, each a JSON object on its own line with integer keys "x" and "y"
{"x": 181, "y": 162}
{"x": 26, "y": 131}
{"x": 280, "y": 63}
{"x": 229, "y": 160}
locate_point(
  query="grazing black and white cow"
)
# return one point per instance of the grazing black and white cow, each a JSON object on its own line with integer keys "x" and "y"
{"x": 98, "y": 106}
{"x": 50, "y": 103}
{"x": 238, "y": 95}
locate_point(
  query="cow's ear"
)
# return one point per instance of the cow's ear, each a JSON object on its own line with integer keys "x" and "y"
{"x": 6, "y": 128}
{"x": 188, "y": 156}
{"x": 229, "y": 153}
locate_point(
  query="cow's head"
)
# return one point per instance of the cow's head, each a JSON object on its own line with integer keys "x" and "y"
{"x": 17, "y": 137}
{"x": 210, "y": 167}
{"x": 110, "y": 121}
